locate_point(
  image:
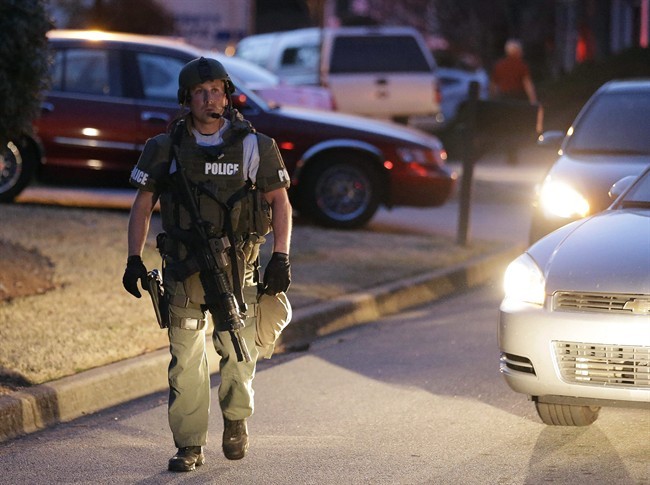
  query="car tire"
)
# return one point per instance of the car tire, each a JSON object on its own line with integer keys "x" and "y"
{"x": 566, "y": 414}
{"x": 17, "y": 169}
{"x": 343, "y": 195}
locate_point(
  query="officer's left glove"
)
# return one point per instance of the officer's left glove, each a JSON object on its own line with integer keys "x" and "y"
{"x": 135, "y": 270}
{"x": 277, "y": 275}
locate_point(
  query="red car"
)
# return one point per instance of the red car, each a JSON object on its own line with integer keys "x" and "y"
{"x": 110, "y": 92}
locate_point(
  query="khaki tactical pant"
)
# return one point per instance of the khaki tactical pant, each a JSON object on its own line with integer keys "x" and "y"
{"x": 189, "y": 377}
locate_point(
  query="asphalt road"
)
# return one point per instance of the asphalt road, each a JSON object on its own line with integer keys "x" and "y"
{"x": 412, "y": 398}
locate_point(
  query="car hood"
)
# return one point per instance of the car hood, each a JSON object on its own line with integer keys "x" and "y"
{"x": 593, "y": 175}
{"x": 605, "y": 253}
{"x": 362, "y": 124}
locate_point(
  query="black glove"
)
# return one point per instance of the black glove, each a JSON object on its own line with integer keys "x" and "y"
{"x": 135, "y": 270}
{"x": 277, "y": 275}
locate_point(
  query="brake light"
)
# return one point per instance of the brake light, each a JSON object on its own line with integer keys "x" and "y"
{"x": 437, "y": 94}
{"x": 286, "y": 145}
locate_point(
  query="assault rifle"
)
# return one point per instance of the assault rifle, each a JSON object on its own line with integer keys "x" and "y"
{"x": 211, "y": 252}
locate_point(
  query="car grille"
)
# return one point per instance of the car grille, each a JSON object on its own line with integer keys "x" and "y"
{"x": 604, "y": 365}
{"x": 602, "y": 303}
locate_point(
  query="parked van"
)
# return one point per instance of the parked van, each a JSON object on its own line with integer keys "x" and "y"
{"x": 381, "y": 72}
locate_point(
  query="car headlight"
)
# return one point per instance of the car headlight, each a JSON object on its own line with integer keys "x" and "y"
{"x": 562, "y": 200}
{"x": 524, "y": 281}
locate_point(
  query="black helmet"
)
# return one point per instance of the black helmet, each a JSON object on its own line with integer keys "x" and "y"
{"x": 199, "y": 71}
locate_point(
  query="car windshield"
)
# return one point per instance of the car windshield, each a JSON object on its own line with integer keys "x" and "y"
{"x": 639, "y": 195}
{"x": 616, "y": 123}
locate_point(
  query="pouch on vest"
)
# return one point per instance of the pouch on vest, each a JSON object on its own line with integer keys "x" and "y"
{"x": 273, "y": 315}
{"x": 261, "y": 214}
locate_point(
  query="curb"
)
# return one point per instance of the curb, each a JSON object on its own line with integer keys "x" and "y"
{"x": 66, "y": 399}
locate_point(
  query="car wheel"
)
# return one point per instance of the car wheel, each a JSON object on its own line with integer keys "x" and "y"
{"x": 16, "y": 171}
{"x": 566, "y": 414}
{"x": 341, "y": 195}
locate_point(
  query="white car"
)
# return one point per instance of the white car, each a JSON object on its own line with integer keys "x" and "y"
{"x": 574, "y": 326}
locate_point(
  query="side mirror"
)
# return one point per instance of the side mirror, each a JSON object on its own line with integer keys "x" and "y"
{"x": 621, "y": 186}
{"x": 551, "y": 139}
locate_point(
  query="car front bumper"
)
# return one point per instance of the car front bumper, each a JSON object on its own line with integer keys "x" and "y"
{"x": 561, "y": 356}
{"x": 427, "y": 187}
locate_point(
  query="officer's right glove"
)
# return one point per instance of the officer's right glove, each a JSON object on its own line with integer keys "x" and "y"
{"x": 135, "y": 270}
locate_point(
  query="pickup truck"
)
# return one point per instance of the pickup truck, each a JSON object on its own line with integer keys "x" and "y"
{"x": 379, "y": 72}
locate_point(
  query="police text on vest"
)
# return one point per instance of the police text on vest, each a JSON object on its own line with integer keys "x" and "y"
{"x": 218, "y": 168}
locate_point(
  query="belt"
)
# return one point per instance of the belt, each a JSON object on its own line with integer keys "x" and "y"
{"x": 189, "y": 323}
{"x": 184, "y": 302}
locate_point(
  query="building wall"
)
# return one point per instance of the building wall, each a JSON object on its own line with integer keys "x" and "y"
{"x": 211, "y": 23}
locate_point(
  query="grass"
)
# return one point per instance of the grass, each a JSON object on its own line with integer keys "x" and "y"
{"x": 89, "y": 320}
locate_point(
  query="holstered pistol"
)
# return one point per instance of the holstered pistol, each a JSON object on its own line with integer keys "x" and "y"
{"x": 157, "y": 293}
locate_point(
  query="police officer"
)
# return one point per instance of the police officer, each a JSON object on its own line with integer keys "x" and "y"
{"x": 221, "y": 155}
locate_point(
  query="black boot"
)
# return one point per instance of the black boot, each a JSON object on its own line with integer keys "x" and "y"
{"x": 235, "y": 439}
{"x": 187, "y": 459}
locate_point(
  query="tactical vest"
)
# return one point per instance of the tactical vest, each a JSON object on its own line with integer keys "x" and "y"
{"x": 216, "y": 176}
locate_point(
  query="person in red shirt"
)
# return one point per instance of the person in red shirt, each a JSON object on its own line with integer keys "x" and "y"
{"x": 511, "y": 76}
{"x": 510, "y": 82}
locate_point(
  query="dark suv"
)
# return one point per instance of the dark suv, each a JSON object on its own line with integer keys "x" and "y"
{"x": 110, "y": 92}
